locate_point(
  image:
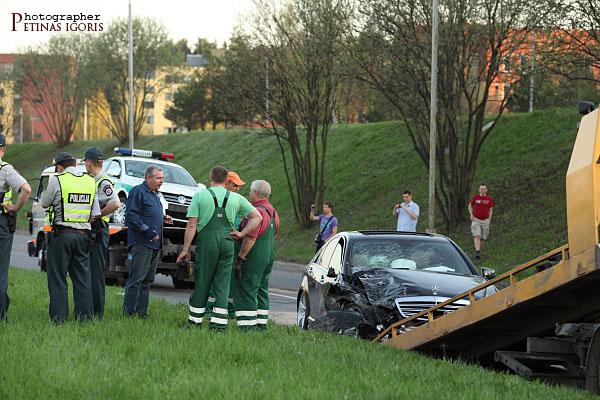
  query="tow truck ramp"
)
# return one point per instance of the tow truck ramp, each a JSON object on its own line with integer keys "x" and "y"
{"x": 543, "y": 325}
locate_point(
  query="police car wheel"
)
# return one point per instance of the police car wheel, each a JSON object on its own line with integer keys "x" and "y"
{"x": 118, "y": 216}
{"x": 42, "y": 257}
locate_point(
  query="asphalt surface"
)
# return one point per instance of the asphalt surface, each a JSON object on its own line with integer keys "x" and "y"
{"x": 283, "y": 285}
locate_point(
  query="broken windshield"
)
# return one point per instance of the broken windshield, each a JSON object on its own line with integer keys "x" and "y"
{"x": 408, "y": 255}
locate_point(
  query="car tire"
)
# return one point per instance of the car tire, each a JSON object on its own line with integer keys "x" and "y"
{"x": 179, "y": 283}
{"x": 42, "y": 257}
{"x": 118, "y": 216}
{"x": 303, "y": 311}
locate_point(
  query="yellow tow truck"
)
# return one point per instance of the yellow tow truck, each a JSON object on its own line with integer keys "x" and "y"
{"x": 545, "y": 326}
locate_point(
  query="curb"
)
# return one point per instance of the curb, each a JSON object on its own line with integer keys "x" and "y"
{"x": 288, "y": 266}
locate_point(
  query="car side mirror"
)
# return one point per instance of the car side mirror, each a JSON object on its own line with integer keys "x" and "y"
{"x": 331, "y": 273}
{"x": 488, "y": 273}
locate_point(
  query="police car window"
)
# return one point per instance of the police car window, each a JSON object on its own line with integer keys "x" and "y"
{"x": 42, "y": 185}
{"x": 114, "y": 169}
{"x": 172, "y": 173}
{"x": 336, "y": 257}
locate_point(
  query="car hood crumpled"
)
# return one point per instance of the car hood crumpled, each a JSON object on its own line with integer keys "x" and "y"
{"x": 383, "y": 286}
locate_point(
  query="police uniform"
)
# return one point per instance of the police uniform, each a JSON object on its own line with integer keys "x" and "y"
{"x": 9, "y": 179}
{"x": 105, "y": 192}
{"x": 72, "y": 195}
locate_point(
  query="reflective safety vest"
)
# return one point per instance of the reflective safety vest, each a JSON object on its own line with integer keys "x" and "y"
{"x": 77, "y": 195}
{"x": 106, "y": 218}
{"x": 5, "y": 198}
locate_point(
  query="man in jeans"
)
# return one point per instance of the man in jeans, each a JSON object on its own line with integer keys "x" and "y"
{"x": 145, "y": 220}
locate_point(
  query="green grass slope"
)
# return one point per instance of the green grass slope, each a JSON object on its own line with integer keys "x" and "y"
{"x": 129, "y": 358}
{"x": 524, "y": 163}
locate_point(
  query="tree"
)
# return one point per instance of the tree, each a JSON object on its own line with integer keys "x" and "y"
{"x": 190, "y": 105}
{"x": 182, "y": 49}
{"x": 570, "y": 47}
{"x": 7, "y": 102}
{"x": 297, "y": 47}
{"x": 204, "y": 47}
{"x": 478, "y": 41}
{"x": 153, "y": 54}
{"x": 54, "y": 78}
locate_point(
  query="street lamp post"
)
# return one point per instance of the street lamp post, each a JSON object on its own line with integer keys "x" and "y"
{"x": 432, "y": 123}
{"x": 33, "y": 126}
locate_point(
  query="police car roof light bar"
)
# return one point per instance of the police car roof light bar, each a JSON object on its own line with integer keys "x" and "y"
{"x": 125, "y": 151}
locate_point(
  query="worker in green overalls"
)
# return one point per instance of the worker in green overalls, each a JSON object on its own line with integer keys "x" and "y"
{"x": 211, "y": 215}
{"x": 233, "y": 185}
{"x": 254, "y": 263}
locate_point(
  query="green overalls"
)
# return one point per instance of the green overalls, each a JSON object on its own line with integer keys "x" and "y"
{"x": 251, "y": 290}
{"x": 211, "y": 297}
{"x": 213, "y": 264}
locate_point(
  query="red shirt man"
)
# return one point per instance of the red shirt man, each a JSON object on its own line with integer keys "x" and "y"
{"x": 480, "y": 209}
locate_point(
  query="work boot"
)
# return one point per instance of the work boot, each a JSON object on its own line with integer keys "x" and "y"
{"x": 477, "y": 255}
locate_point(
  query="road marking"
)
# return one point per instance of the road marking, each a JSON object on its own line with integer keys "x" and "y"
{"x": 282, "y": 295}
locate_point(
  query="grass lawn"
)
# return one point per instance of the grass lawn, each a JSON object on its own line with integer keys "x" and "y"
{"x": 119, "y": 357}
{"x": 524, "y": 163}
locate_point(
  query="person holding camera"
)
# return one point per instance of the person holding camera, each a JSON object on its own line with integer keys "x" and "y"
{"x": 328, "y": 224}
{"x": 9, "y": 179}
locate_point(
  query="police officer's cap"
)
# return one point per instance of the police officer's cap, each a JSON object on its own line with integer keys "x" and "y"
{"x": 2, "y": 140}
{"x": 93, "y": 153}
{"x": 64, "y": 156}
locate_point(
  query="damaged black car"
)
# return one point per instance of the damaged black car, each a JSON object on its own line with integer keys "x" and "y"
{"x": 361, "y": 282}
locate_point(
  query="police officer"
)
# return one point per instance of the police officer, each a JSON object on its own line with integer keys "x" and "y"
{"x": 254, "y": 263}
{"x": 9, "y": 179}
{"x": 72, "y": 195}
{"x": 109, "y": 202}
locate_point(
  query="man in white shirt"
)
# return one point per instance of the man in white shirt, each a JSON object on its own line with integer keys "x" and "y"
{"x": 407, "y": 213}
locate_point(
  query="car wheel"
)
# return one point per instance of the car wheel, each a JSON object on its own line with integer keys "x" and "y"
{"x": 179, "y": 283}
{"x": 118, "y": 216}
{"x": 303, "y": 311}
{"x": 42, "y": 256}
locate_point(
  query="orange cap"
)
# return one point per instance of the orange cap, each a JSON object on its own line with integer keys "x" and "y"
{"x": 235, "y": 178}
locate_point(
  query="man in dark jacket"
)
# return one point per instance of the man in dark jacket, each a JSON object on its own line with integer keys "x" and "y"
{"x": 145, "y": 219}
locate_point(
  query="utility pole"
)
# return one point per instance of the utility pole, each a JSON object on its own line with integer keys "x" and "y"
{"x": 130, "y": 79}
{"x": 21, "y": 125}
{"x": 85, "y": 119}
{"x": 267, "y": 90}
{"x": 532, "y": 69}
{"x": 432, "y": 123}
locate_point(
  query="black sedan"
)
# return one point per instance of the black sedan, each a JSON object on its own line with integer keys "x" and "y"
{"x": 361, "y": 282}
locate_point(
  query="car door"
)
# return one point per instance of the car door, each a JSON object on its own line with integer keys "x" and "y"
{"x": 335, "y": 264}
{"x": 319, "y": 279}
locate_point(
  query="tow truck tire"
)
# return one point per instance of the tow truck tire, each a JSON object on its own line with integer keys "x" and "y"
{"x": 592, "y": 365}
{"x": 42, "y": 256}
{"x": 179, "y": 283}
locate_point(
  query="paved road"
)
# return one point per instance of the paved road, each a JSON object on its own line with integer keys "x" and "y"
{"x": 284, "y": 283}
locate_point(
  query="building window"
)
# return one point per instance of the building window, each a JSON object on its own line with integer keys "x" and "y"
{"x": 148, "y": 104}
{"x": 1, "y": 92}
{"x": 151, "y": 90}
{"x": 150, "y": 119}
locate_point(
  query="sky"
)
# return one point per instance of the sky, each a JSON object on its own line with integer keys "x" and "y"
{"x": 184, "y": 19}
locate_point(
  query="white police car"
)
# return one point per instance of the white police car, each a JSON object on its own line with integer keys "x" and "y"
{"x": 127, "y": 171}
